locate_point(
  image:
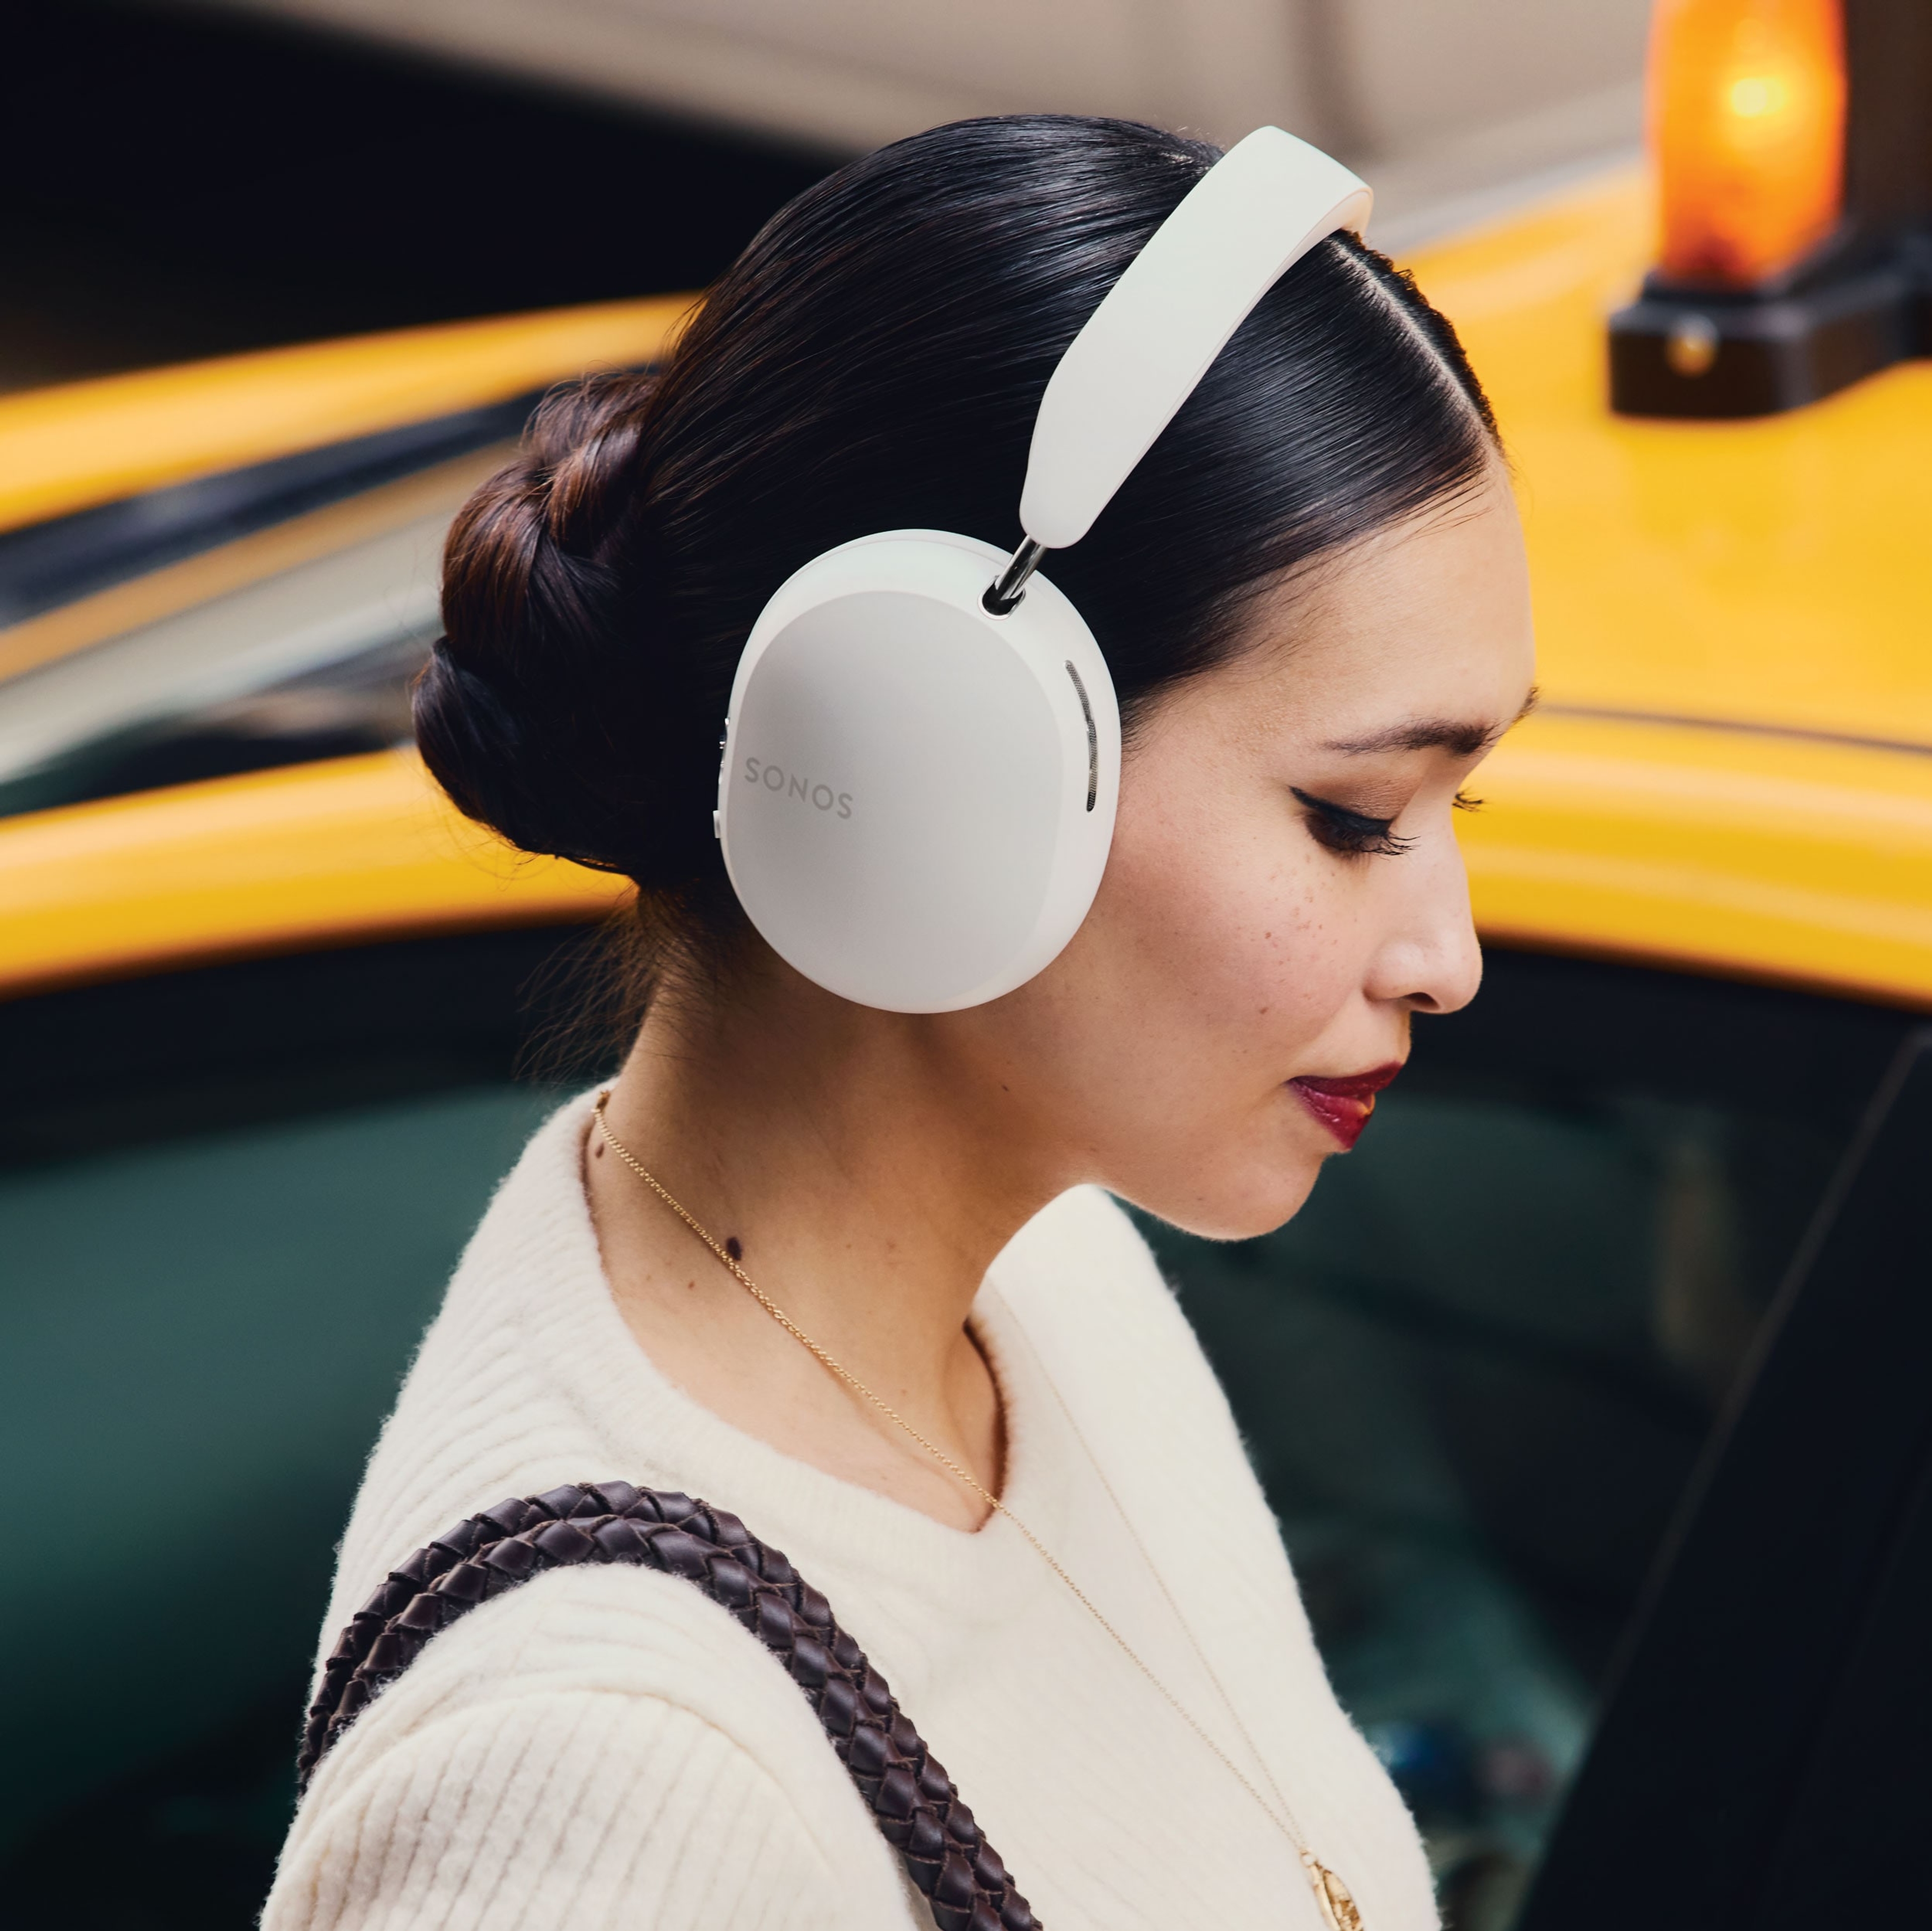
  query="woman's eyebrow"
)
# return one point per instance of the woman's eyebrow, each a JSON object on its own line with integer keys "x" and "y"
{"x": 1454, "y": 734}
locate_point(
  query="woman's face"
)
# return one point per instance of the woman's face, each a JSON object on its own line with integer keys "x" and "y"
{"x": 1284, "y": 888}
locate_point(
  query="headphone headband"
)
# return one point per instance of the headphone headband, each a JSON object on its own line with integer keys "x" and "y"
{"x": 1255, "y": 213}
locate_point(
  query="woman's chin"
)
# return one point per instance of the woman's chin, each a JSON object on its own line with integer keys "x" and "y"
{"x": 1241, "y": 1202}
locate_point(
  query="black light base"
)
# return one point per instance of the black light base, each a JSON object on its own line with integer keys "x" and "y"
{"x": 1677, "y": 353}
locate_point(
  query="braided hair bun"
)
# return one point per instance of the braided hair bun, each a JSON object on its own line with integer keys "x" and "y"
{"x": 550, "y": 710}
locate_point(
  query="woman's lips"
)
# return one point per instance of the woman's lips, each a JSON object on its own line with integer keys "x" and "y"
{"x": 1343, "y": 1105}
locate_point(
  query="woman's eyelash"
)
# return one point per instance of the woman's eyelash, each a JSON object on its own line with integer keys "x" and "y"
{"x": 1352, "y": 833}
{"x": 1463, "y": 802}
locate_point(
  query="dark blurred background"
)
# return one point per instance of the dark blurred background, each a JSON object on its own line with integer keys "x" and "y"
{"x": 177, "y": 185}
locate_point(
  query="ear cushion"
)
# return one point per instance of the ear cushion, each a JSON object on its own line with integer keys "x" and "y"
{"x": 917, "y": 798}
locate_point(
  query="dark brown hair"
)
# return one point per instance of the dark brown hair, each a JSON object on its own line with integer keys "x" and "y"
{"x": 873, "y": 360}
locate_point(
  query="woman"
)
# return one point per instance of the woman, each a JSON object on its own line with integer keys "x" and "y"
{"x": 927, "y": 1355}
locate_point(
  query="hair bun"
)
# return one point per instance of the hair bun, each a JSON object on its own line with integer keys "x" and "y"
{"x": 547, "y": 710}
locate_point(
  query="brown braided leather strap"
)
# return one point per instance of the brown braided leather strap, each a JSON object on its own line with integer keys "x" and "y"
{"x": 913, "y": 1799}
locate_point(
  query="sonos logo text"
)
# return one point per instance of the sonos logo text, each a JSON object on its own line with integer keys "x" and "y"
{"x": 821, "y": 797}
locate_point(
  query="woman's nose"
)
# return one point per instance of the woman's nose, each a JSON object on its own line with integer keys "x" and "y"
{"x": 1432, "y": 961}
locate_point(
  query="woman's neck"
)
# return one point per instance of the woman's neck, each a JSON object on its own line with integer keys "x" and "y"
{"x": 865, "y": 1178}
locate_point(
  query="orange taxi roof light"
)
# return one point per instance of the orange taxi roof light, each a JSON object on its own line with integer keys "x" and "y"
{"x": 1747, "y": 125}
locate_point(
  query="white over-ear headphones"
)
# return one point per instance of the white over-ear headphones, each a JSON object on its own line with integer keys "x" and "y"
{"x": 922, "y": 755}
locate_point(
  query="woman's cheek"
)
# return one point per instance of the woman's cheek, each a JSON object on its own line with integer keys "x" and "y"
{"x": 1295, "y": 958}
{"x": 1213, "y": 923}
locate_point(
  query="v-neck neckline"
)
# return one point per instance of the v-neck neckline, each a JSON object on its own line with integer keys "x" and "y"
{"x": 651, "y": 1423}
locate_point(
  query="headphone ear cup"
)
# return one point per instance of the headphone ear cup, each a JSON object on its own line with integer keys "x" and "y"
{"x": 918, "y": 798}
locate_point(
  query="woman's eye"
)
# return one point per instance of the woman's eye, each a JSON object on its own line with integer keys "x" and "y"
{"x": 1352, "y": 833}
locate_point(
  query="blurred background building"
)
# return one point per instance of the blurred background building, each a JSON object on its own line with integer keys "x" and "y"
{"x": 1447, "y": 96}
{"x": 185, "y": 179}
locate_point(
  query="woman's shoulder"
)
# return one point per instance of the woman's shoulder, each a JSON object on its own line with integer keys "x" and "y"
{"x": 520, "y": 1749}
{"x": 513, "y": 1387}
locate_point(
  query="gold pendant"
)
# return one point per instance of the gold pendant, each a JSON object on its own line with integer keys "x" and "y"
{"x": 1338, "y": 1904}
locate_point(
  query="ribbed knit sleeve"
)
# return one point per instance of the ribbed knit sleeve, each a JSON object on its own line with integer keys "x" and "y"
{"x": 597, "y": 1748}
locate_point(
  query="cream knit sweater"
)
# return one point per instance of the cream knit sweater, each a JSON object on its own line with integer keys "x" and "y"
{"x": 607, "y": 1747}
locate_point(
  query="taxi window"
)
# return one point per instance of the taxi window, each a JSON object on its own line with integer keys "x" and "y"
{"x": 230, "y": 1200}
{"x": 1473, "y": 1373}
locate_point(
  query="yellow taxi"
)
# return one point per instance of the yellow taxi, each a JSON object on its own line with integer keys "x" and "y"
{"x": 1589, "y": 1390}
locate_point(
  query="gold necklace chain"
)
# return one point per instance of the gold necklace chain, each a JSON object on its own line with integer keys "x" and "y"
{"x": 1337, "y": 1905}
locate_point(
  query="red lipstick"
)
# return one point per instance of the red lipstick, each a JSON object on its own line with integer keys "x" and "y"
{"x": 1343, "y": 1105}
